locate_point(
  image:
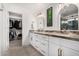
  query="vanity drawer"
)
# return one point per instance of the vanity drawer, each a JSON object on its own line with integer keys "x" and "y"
{"x": 44, "y": 37}
{"x": 55, "y": 40}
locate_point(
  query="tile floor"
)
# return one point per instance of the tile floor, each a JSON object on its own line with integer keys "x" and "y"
{"x": 16, "y": 49}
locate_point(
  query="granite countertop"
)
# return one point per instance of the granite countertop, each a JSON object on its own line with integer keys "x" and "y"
{"x": 65, "y": 35}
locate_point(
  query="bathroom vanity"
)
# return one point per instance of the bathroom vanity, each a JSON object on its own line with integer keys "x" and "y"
{"x": 55, "y": 43}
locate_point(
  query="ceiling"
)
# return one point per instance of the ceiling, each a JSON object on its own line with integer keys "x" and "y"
{"x": 31, "y": 7}
{"x": 35, "y": 8}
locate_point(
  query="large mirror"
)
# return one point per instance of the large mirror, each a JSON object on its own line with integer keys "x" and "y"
{"x": 69, "y": 17}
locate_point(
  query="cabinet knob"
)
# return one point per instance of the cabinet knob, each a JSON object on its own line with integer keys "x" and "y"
{"x": 59, "y": 52}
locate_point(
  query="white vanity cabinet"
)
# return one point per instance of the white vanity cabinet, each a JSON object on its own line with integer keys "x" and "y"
{"x": 40, "y": 42}
{"x": 54, "y": 46}
{"x": 63, "y": 47}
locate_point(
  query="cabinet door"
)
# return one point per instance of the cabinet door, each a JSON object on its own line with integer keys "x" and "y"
{"x": 32, "y": 41}
{"x": 55, "y": 40}
{"x": 69, "y": 52}
{"x": 70, "y": 44}
{"x": 53, "y": 49}
{"x": 54, "y": 45}
{"x": 69, "y": 47}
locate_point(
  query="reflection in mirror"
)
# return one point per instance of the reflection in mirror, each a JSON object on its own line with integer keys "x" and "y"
{"x": 69, "y": 17}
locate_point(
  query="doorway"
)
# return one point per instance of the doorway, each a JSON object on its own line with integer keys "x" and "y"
{"x": 15, "y": 29}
